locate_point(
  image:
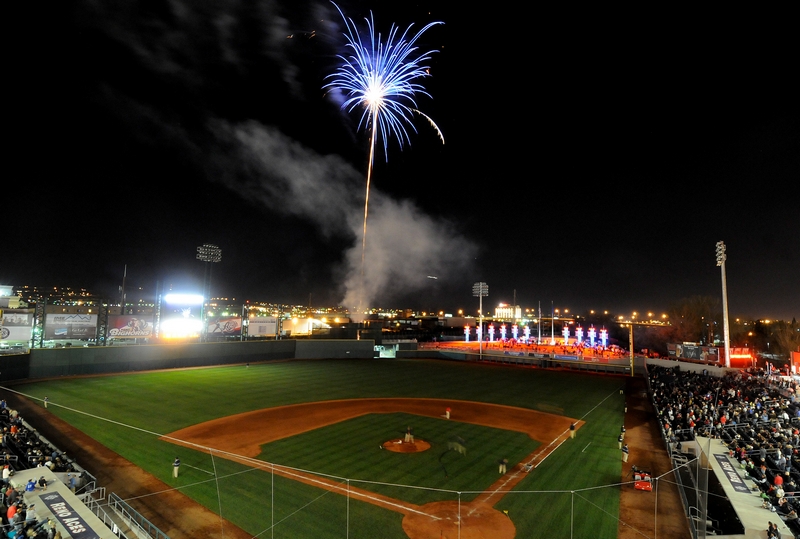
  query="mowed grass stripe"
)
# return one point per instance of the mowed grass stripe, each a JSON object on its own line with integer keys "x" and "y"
{"x": 298, "y": 510}
{"x": 258, "y": 499}
{"x": 351, "y": 449}
{"x": 591, "y": 460}
{"x": 206, "y": 394}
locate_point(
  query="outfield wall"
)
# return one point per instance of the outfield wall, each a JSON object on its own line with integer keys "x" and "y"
{"x": 697, "y": 368}
{"x": 334, "y": 349}
{"x": 54, "y": 362}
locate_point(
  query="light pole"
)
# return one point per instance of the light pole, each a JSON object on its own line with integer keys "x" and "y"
{"x": 122, "y": 289}
{"x": 245, "y": 322}
{"x": 480, "y": 290}
{"x": 631, "y": 344}
{"x": 209, "y": 254}
{"x": 721, "y": 258}
{"x": 540, "y": 324}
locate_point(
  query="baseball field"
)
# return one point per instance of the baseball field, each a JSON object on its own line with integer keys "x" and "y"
{"x": 317, "y": 449}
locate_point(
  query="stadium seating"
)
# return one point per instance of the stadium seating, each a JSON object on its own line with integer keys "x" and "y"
{"x": 754, "y": 414}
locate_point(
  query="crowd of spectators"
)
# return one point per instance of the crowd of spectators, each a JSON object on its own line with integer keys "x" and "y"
{"x": 756, "y": 414}
{"x": 22, "y": 449}
{"x": 518, "y": 345}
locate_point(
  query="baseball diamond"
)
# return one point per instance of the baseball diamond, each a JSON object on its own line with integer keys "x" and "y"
{"x": 263, "y": 426}
{"x": 242, "y": 435}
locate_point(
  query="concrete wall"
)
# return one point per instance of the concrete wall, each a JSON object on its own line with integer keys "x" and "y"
{"x": 334, "y": 349}
{"x": 687, "y": 366}
{"x": 54, "y": 362}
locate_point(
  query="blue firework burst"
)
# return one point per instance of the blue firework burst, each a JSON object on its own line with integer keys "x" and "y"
{"x": 382, "y": 77}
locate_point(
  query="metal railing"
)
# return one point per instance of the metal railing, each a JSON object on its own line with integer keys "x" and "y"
{"x": 96, "y": 507}
{"x": 134, "y": 519}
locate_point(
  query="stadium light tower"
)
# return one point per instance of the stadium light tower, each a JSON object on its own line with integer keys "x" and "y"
{"x": 480, "y": 290}
{"x": 721, "y": 258}
{"x": 209, "y": 254}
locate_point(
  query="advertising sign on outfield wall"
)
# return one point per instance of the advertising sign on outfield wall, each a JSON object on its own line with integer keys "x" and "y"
{"x": 16, "y": 325}
{"x": 227, "y": 325}
{"x": 130, "y": 327}
{"x": 692, "y": 351}
{"x": 263, "y": 326}
{"x": 59, "y": 327}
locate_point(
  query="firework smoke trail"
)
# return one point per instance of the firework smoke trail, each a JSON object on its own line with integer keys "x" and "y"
{"x": 380, "y": 77}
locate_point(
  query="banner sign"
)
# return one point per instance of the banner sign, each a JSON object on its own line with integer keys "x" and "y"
{"x": 693, "y": 351}
{"x": 263, "y": 326}
{"x": 70, "y": 326}
{"x": 730, "y": 472}
{"x": 72, "y": 521}
{"x": 129, "y": 327}
{"x": 562, "y": 357}
{"x": 225, "y": 326}
{"x": 16, "y": 325}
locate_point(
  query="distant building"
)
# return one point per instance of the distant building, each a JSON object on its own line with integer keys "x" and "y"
{"x": 7, "y": 298}
{"x": 458, "y": 321}
{"x": 508, "y": 312}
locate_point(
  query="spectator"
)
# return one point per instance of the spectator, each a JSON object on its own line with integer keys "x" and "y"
{"x": 778, "y": 480}
{"x": 12, "y": 496}
{"x": 12, "y": 510}
{"x": 30, "y": 514}
{"x": 772, "y": 531}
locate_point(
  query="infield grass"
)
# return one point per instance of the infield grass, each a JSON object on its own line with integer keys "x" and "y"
{"x": 351, "y": 449}
{"x": 580, "y": 479}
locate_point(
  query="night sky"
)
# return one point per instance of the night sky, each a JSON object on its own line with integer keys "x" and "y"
{"x": 591, "y": 159}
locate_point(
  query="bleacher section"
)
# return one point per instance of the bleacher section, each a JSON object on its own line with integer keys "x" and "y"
{"x": 730, "y": 437}
{"x": 44, "y": 491}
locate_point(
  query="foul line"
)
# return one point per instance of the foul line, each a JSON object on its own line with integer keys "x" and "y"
{"x": 196, "y": 468}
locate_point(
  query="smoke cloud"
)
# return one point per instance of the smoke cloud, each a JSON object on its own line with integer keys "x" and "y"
{"x": 224, "y": 92}
{"x": 404, "y": 245}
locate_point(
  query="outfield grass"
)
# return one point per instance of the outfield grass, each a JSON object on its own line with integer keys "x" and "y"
{"x": 580, "y": 477}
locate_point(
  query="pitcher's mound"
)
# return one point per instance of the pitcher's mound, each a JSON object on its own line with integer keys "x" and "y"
{"x": 440, "y": 519}
{"x": 399, "y": 446}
